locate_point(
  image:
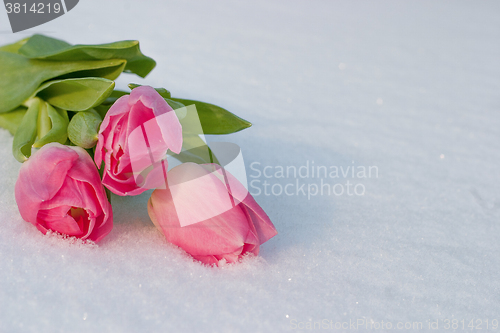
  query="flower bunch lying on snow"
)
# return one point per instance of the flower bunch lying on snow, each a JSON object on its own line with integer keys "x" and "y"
{"x": 80, "y": 139}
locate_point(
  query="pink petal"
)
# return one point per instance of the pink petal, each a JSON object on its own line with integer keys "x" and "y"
{"x": 194, "y": 193}
{"x": 60, "y": 219}
{"x": 263, "y": 225}
{"x": 167, "y": 120}
{"x": 119, "y": 107}
{"x": 222, "y": 234}
{"x": 53, "y": 162}
{"x": 103, "y": 226}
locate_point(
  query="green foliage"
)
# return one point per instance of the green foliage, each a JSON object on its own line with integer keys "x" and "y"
{"x": 41, "y": 124}
{"x": 21, "y": 77}
{"x": 214, "y": 119}
{"x": 47, "y": 48}
{"x": 56, "y": 121}
{"x": 76, "y": 94}
{"x": 44, "y": 77}
{"x": 23, "y": 140}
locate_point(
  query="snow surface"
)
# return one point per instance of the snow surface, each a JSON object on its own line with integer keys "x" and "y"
{"x": 412, "y": 88}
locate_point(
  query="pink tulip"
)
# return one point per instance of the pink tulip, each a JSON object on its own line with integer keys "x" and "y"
{"x": 209, "y": 213}
{"x": 59, "y": 189}
{"x": 134, "y": 138}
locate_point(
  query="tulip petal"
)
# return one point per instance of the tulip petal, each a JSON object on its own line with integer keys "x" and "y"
{"x": 122, "y": 183}
{"x": 218, "y": 235}
{"x": 53, "y": 164}
{"x": 58, "y": 219}
{"x": 207, "y": 260}
{"x": 190, "y": 186}
{"x": 263, "y": 225}
{"x": 168, "y": 122}
{"x": 112, "y": 117}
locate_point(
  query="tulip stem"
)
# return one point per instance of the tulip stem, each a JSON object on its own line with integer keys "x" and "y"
{"x": 44, "y": 122}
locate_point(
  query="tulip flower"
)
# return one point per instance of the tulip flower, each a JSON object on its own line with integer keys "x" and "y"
{"x": 134, "y": 138}
{"x": 209, "y": 213}
{"x": 59, "y": 189}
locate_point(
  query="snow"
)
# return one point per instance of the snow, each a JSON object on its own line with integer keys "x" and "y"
{"x": 409, "y": 87}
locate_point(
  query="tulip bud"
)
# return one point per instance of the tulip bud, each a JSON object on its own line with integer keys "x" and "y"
{"x": 209, "y": 213}
{"x": 83, "y": 128}
{"x": 59, "y": 189}
{"x": 134, "y": 138}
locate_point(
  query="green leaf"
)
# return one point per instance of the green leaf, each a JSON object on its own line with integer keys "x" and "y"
{"x": 173, "y": 104}
{"x": 47, "y": 48}
{"x": 14, "y": 47}
{"x": 42, "y": 120}
{"x": 83, "y": 128}
{"x": 11, "y": 120}
{"x": 76, "y": 94}
{"x": 57, "y": 124}
{"x": 214, "y": 119}
{"x": 107, "y": 72}
{"x": 38, "y": 46}
{"x": 21, "y": 76}
{"x": 24, "y": 138}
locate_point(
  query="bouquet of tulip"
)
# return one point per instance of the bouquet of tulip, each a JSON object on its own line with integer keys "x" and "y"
{"x": 80, "y": 139}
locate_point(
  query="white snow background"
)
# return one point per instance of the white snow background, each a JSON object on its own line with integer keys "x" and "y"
{"x": 412, "y": 88}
